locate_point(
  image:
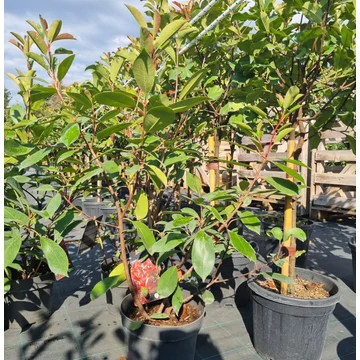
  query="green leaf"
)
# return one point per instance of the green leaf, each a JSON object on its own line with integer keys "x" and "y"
{"x": 134, "y": 325}
{"x": 167, "y": 32}
{"x": 276, "y": 232}
{"x": 177, "y": 300}
{"x": 237, "y": 121}
{"x": 142, "y": 205}
{"x": 215, "y": 213}
{"x": 38, "y": 58}
{"x": 138, "y": 16}
{"x": 63, "y": 51}
{"x": 194, "y": 183}
{"x": 44, "y": 188}
{"x": 257, "y": 111}
{"x": 158, "y": 118}
{"x": 112, "y": 130}
{"x": 351, "y": 140}
{"x": 296, "y": 175}
{"x": 168, "y": 242}
{"x": 53, "y": 205}
{"x": 208, "y": 297}
{"x": 284, "y": 186}
{"x": 34, "y": 158}
{"x": 291, "y": 96}
{"x": 39, "y": 41}
{"x": 193, "y": 82}
{"x": 144, "y": 72}
{"x": 146, "y": 236}
{"x": 250, "y": 221}
{"x": 265, "y": 21}
{"x": 296, "y": 162}
{"x": 11, "y": 248}
{"x": 64, "y": 67}
{"x": 190, "y": 211}
{"x": 184, "y": 105}
{"x": 111, "y": 167}
{"x": 203, "y": 254}
{"x": 81, "y": 99}
{"x": 168, "y": 282}
{"x": 282, "y": 134}
{"x": 242, "y": 246}
{"x": 88, "y": 175}
{"x": 115, "y": 98}
{"x": 7, "y": 285}
{"x": 39, "y": 93}
{"x": 15, "y": 148}
{"x": 215, "y": 92}
{"x": 109, "y": 115}
{"x": 65, "y": 155}
{"x": 55, "y": 256}
{"x": 104, "y": 285}
{"x": 70, "y": 134}
{"x": 296, "y": 232}
{"x": 282, "y": 278}
{"x": 54, "y": 30}
{"x": 312, "y": 11}
{"x": 158, "y": 316}
{"x": 157, "y": 176}
{"x": 18, "y": 37}
{"x": 119, "y": 270}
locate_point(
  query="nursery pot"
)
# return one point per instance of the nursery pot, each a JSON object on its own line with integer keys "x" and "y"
{"x": 28, "y": 301}
{"x": 151, "y": 342}
{"x": 114, "y": 296}
{"x": 272, "y": 245}
{"x": 290, "y": 328}
{"x": 92, "y": 207}
{"x": 352, "y": 246}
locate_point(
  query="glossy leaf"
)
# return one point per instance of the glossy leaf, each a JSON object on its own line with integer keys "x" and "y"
{"x": 88, "y": 175}
{"x": 144, "y": 72}
{"x": 215, "y": 92}
{"x": 282, "y": 134}
{"x": 157, "y": 176}
{"x": 137, "y": 15}
{"x": 158, "y": 118}
{"x": 81, "y": 99}
{"x": 177, "y": 300}
{"x": 38, "y": 58}
{"x": 112, "y": 130}
{"x": 242, "y": 246}
{"x": 34, "y": 158}
{"x": 282, "y": 278}
{"x": 142, "y": 205}
{"x": 168, "y": 282}
{"x": 115, "y": 98}
{"x": 55, "y": 256}
{"x": 168, "y": 242}
{"x": 104, "y": 285}
{"x": 250, "y": 220}
{"x": 192, "y": 83}
{"x": 11, "y": 248}
{"x": 298, "y": 233}
{"x": 70, "y": 134}
{"x": 64, "y": 67}
{"x": 257, "y": 111}
{"x": 184, "y": 105}
{"x": 65, "y": 155}
{"x": 284, "y": 186}
{"x": 291, "y": 96}
{"x": 109, "y": 115}
{"x": 167, "y": 32}
{"x": 39, "y": 41}
{"x": 40, "y": 93}
{"x": 158, "y": 316}
{"x": 276, "y": 232}
{"x": 203, "y": 254}
{"x": 145, "y": 235}
{"x": 54, "y": 30}
{"x": 14, "y": 147}
{"x": 208, "y": 297}
{"x": 64, "y": 36}
{"x": 53, "y": 205}
{"x": 194, "y": 182}
{"x": 111, "y": 167}
{"x": 296, "y": 175}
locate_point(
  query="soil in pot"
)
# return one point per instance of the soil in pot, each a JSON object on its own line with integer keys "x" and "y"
{"x": 149, "y": 342}
{"x": 29, "y": 301}
{"x": 291, "y": 328}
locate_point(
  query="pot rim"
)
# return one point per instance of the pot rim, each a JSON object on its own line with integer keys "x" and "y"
{"x": 334, "y": 298}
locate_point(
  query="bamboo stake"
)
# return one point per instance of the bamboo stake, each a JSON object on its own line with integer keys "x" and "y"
{"x": 212, "y": 175}
{"x": 288, "y": 269}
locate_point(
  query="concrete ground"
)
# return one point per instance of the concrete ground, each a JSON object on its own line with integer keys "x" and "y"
{"x": 81, "y": 329}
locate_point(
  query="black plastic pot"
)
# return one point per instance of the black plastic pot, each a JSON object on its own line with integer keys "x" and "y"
{"x": 352, "y": 246}
{"x": 289, "y": 328}
{"x": 116, "y": 295}
{"x": 272, "y": 245}
{"x": 151, "y": 342}
{"x": 29, "y": 301}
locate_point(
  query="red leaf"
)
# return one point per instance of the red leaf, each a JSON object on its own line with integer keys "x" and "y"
{"x": 65, "y": 36}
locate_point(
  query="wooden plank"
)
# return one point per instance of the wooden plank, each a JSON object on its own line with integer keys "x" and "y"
{"x": 335, "y": 155}
{"x": 335, "y": 179}
{"x": 334, "y": 209}
{"x": 249, "y": 157}
{"x": 251, "y": 174}
{"x": 264, "y": 140}
{"x": 345, "y": 203}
